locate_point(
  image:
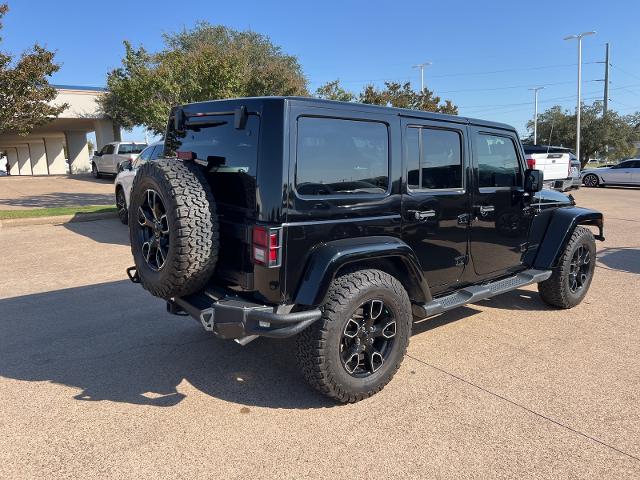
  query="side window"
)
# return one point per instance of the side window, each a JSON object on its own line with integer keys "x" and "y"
{"x": 108, "y": 149}
{"x": 338, "y": 157}
{"x": 497, "y": 159}
{"x": 434, "y": 158}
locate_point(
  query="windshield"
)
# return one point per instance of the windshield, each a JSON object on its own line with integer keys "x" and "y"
{"x": 127, "y": 148}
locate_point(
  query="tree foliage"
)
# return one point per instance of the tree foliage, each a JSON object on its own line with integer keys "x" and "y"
{"x": 25, "y": 92}
{"x": 394, "y": 94}
{"x": 558, "y": 127}
{"x": 206, "y": 63}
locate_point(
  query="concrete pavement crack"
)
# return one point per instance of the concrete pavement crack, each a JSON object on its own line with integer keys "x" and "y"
{"x": 512, "y": 402}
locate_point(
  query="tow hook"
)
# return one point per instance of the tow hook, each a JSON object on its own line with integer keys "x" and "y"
{"x": 132, "y": 273}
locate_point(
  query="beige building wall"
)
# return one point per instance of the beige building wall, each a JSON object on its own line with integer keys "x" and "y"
{"x": 12, "y": 156}
{"x": 38, "y": 156}
{"x": 55, "y": 155}
{"x": 24, "y": 162}
{"x": 78, "y": 152}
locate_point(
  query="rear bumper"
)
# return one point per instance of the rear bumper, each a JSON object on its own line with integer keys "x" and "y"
{"x": 231, "y": 317}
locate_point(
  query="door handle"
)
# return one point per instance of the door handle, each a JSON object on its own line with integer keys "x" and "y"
{"x": 422, "y": 215}
{"x": 485, "y": 209}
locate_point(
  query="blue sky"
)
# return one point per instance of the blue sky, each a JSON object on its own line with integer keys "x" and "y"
{"x": 485, "y": 54}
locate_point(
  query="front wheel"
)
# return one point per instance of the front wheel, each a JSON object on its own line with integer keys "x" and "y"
{"x": 591, "y": 180}
{"x": 94, "y": 171}
{"x": 571, "y": 279}
{"x": 357, "y": 346}
{"x": 121, "y": 206}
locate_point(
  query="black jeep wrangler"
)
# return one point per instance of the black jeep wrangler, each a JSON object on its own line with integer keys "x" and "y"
{"x": 341, "y": 223}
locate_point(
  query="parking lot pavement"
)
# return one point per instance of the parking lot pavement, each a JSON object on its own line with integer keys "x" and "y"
{"x": 97, "y": 380}
{"x": 20, "y": 193}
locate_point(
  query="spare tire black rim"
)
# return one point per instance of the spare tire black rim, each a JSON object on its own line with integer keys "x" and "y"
{"x": 367, "y": 339}
{"x": 154, "y": 231}
{"x": 579, "y": 269}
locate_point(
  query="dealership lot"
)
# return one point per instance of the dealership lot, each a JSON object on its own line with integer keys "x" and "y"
{"x": 96, "y": 379}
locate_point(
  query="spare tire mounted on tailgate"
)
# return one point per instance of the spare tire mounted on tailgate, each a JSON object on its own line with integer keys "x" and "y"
{"x": 173, "y": 228}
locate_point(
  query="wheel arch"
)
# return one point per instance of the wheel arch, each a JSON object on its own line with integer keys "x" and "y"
{"x": 388, "y": 254}
{"x": 552, "y": 230}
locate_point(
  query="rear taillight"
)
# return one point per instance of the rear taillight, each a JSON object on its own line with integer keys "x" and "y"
{"x": 569, "y": 169}
{"x": 267, "y": 246}
{"x": 531, "y": 163}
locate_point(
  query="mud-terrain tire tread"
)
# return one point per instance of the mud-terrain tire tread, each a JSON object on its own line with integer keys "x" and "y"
{"x": 555, "y": 291}
{"x": 193, "y": 227}
{"x": 312, "y": 342}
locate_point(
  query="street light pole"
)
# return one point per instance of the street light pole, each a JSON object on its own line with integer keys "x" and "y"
{"x": 535, "y": 114}
{"x": 579, "y": 38}
{"x": 421, "y": 67}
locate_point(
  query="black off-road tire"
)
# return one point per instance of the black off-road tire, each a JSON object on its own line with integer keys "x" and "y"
{"x": 318, "y": 348}
{"x": 192, "y": 225}
{"x": 556, "y": 290}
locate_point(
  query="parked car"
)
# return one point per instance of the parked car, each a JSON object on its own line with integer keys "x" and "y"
{"x": 624, "y": 173}
{"x": 341, "y": 223}
{"x": 124, "y": 179}
{"x": 555, "y": 163}
{"x": 112, "y": 155}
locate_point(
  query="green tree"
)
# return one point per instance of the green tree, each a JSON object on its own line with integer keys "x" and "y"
{"x": 25, "y": 92}
{"x": 333, "y": 91}
{"x": 206, "y": 63}
{"x": 403, "y": 96}
{"x": 598, "y": 131}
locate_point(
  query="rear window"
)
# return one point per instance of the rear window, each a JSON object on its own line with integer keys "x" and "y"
{"x": 131, "y": 148}
{"x": 341, "y": 157}
{"x": 215, "y": 141}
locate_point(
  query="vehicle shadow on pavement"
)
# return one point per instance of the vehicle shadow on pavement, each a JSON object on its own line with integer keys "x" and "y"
{"x": 115, "y": 342}
{"x": 624, "y": 259}
{"x": 110, "y": 231}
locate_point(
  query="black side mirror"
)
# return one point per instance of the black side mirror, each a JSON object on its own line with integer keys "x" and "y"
{"x": 97, "y": 153}
{"x": 126, "y": 165}
{"x": 533, "y": 181}
{"x": 179, "y": 119}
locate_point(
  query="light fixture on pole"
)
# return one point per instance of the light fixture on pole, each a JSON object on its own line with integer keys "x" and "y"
{"x": 421, "y": 67}
{"x": 535, "y": 114}
{"x": 579, "y": 38}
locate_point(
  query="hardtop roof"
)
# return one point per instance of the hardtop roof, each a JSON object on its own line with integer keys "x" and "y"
{"x": 353, "y": 106}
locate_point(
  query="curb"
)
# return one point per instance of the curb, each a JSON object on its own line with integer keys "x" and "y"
{"x": 57, "y": 220}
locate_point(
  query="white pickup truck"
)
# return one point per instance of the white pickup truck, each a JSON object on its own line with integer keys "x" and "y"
{"x": 112, "y": 155}
{"x": 556, "y": 164}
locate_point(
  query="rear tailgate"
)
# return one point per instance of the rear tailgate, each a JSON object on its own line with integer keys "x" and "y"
{"x": 555, "y": 166}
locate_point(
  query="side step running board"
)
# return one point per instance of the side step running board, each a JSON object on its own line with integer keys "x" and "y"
{"x": 476, "y": 293}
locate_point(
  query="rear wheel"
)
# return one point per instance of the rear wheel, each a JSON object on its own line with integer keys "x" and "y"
{"x": 357, "y": 346}
{"x": 591, "y": 180}
{"x": 571, "y": 279}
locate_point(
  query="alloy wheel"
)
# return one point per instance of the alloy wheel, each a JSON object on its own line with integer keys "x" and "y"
{"x": 579, "y": 269}
{"x": 591, "y": 181}
{"x": 154, "y": 234}
{"x": 367, "y": 339}
{"x": 121, "y": 203}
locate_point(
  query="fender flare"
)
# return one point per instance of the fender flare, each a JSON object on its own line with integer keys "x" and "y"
{"x": 552, "y": 232}
{"x": 328, "y": 258}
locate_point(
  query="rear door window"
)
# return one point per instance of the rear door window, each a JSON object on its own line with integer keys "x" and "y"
{"x": 434, "y": 159}
{"x": 341, "y": 157}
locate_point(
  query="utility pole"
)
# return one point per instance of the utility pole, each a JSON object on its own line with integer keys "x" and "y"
{"x": 535, "y": 114}
{"x": 421, "y": 67}
{"x": 605, "y": 105}
{"x": 579, "y": 37}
